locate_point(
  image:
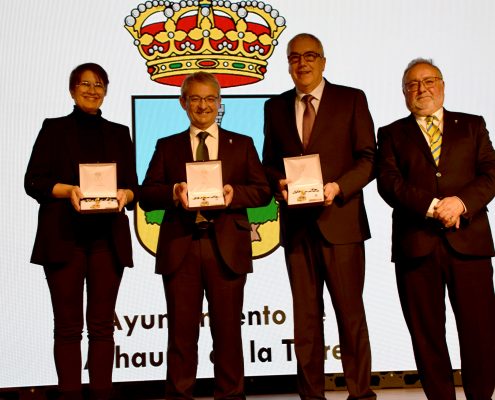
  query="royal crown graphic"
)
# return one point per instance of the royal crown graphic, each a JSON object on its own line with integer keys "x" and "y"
{"x": 231, "y": 40}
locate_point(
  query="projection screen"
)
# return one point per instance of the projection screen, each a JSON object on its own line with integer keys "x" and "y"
{"x": 367, "y": 45}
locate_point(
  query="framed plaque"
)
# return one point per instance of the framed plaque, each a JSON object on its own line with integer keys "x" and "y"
{"x": 205, "y": 184}
{"x": 305, "y": 182}
{"x": 98, "y": 183}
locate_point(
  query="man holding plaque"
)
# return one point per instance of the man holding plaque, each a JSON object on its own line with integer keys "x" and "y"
{"x": 323, "y": 242}
{"x": 203, "y": 249}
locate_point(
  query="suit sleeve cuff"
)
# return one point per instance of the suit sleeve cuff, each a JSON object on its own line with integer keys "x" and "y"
{"x": 463, "y": 205}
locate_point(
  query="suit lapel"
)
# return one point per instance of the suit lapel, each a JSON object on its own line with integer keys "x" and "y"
{"x": 450, "y": 134}
{"x": 226, "y": 151}
{"x": 290, "y": 114}
{"x": 184, "y": 150}
{"x": 415, "y": 135}
{"x": 223, "y": 144}
{"x": 72, "y": 145}
{"x": 325, "y": 113}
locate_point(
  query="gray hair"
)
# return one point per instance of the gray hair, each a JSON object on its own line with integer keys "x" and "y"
{"x": 200, "y": 77}
{"x": 418, "y": 61}
{"x": 306, "y": 36}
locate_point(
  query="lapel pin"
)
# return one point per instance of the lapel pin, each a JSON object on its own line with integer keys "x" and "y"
{"x": 230, "y": 141}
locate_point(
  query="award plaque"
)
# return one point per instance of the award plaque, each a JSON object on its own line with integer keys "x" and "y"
{"x": 205, "y": 185}
{"x": 98, "y": 183}
{"x": 305, "y": 182}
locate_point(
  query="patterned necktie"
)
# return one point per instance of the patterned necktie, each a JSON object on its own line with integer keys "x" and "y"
{"x": 202, "y": 149}
{"x": 308, "y": 118}
{"x": 433, "y": 131}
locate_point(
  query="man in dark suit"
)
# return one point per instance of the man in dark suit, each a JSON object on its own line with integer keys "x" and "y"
{"x": 436, "y": 169}
{"x": 204, "y": 253}
{"x": 324, "y": 245}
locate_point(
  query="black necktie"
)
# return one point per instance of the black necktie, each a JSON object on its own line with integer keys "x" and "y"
{"x": 202, "y": 218}
{"x": 202, "y": 149}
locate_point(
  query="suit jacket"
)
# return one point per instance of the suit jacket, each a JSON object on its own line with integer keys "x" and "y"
{"x": 343, "y": 136}
{"x": 408, "y": 180}
{"x": 241, "y": 169}
{"x": 55, "y": 159}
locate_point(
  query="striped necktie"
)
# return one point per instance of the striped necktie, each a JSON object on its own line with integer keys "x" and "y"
{"x": 435, "y": 135}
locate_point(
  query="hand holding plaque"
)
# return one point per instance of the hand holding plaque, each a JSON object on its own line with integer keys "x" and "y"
{"x": 205, "y": 185}
{"x": 98, "y": 183}
{"x": 305, "y": 182}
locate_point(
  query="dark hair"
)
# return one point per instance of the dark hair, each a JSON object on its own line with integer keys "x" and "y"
{"x": 75, "y": 75}
{"x": 200, "y": 77}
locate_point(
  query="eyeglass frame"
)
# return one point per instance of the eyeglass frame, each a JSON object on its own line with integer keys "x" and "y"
{"x": 194, "y": 99}
{"x": 433, "y": 80}
{"x": 303, "y": 55}
{"x": 86, "y": 85}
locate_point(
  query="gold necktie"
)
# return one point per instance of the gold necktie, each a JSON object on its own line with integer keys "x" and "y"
{"x": 435, "y": 135}
{"x": 308, "y": 118}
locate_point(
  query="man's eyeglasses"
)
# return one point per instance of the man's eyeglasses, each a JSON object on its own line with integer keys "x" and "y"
{"x": 210, "y": 100}
{"x": 428, "y": 83}
{"x": 309, "y": 56}
{"x": 85, "y": 86}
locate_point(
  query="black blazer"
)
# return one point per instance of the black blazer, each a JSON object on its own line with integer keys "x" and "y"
{"x": 241, "y": 169}
{"x": 343, "y": 136}
{"x": 408, "y": 180}
{"x": 55, "y": 159}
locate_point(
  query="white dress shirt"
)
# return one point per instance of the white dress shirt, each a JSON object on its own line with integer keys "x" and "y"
{"x": 300, "y": 106}
{"x": 211, "y": 140}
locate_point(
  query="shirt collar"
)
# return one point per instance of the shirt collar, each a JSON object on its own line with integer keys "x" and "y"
{"x": 316, "y": 93}
{"x": 212, "y": 130}
{"x": 438, "y": 114}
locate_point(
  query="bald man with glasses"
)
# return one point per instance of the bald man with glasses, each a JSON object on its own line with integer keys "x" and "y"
{"x": 324, "y": 244}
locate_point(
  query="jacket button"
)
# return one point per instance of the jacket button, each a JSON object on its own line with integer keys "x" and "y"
{"x": 439, "y": 174}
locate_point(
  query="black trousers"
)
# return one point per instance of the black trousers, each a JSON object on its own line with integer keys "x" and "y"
{"x": 313, "y": 263}
{"x": 94, "y": 264}
{"x": 469, "y": 280}
{"x": 203, "y": 273}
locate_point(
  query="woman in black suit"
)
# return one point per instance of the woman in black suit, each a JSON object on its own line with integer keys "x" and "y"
{"x": 76, "y": 248}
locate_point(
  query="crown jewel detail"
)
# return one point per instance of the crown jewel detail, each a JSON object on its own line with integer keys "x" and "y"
{"x": 231, "y": 40}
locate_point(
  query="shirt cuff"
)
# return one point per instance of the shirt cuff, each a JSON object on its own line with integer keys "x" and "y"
{"x": 175, "y": 198}
{"x": 431, "y": 209}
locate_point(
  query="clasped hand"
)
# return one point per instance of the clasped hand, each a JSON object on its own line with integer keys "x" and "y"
{"x": 448, "y": 211}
